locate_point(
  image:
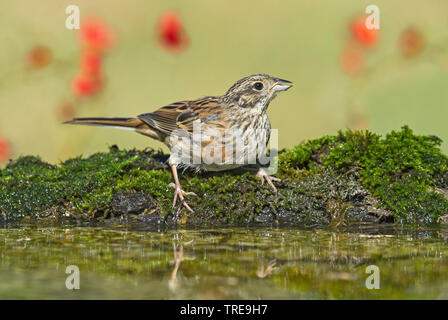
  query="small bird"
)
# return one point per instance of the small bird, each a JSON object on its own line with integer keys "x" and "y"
{"x": 214, "y": 133}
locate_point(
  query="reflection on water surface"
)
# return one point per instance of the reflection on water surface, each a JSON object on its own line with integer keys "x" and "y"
{"x": 119, "y": 262}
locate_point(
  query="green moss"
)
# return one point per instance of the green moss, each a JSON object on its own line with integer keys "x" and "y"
{"x": 332, "y": 180}
{"x": 30, "y": 187}
{"x": 402, "y": 170}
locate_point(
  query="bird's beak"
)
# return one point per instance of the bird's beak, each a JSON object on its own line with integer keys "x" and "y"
{"x": 281, "y": 85}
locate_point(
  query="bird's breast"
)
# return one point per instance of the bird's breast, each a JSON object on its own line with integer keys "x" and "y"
{"x": 215, "y": 148}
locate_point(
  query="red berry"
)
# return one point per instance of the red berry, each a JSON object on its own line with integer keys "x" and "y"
{"x": 411, "y": 42}
{"x": 85, "y": 85}
{"x": 39, "y": 57}
{"x": 96, "y": 35}
{"x": 5, "y": 150}
{"x": 91, "y": 63}
{"x": 172, "y": 35}
{"x": 65, "y": 110}
{"x": 352, "y": 59}
{"x": 363, "y": 35}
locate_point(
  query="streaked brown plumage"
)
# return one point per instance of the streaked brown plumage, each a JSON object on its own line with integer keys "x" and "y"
{"x": 239, "y": 113}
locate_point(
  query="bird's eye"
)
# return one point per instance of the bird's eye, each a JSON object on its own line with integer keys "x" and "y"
{"x": 258, "y": 85}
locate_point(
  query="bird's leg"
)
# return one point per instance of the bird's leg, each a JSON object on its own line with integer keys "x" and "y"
{"x": 178, "y": 192}
{"x": 263, "y": 175}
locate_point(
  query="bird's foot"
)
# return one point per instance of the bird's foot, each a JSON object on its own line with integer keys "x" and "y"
{"x": 178, "y": 192}
{"x": 263, "y": 175}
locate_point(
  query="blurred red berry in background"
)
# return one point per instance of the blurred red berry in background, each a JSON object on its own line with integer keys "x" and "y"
{"x": 39, "y": 57}
{"x": 86, "y": 85}
{"x": 90, "y": 62}
{"x": 66, "y": 110}
{"x": 172, "y": 35}
{"x": 364, "y": 36}
{"x": 5, "y": 149}
{"x": 96, "y": 38}
{"x": 96, "y": 35}
{"x": 361, "y": 123}
{"x": 411, "y": 42}
{"x": 352, "y": 59}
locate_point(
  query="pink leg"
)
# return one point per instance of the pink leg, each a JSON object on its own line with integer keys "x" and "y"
{"x": 263, "y": 175}
{"x": 178, "y": 192}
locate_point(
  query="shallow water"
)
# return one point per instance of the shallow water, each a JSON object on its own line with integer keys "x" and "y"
{"x": 124, "y": 262}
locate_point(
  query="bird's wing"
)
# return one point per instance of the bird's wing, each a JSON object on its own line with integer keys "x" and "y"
{"x": 164, "y": 119}
{"x": 182, "y": 115}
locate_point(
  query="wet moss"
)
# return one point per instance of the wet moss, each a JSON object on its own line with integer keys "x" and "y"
{"x": 401, "y": 170}
{"x": 335, "y": 180}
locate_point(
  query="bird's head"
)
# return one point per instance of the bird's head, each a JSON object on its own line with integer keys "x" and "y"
{"x": 257, "y": 90}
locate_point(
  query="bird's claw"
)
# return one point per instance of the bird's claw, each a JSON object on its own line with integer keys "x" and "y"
{"x": 178, "y": 192}
{"x": 263, "y": 175}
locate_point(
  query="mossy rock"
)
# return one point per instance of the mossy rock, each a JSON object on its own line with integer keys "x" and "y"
{"x": 352, "y": 177}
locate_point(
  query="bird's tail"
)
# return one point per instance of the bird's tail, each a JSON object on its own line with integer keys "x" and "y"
{"x": 134, "y": 124}
{"x": 119, "y": 123}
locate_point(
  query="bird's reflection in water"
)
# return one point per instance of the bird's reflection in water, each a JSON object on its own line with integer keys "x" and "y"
{"x": 178, "y": 254}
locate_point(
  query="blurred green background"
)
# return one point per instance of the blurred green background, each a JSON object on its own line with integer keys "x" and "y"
{"x": 302, "y": 41}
